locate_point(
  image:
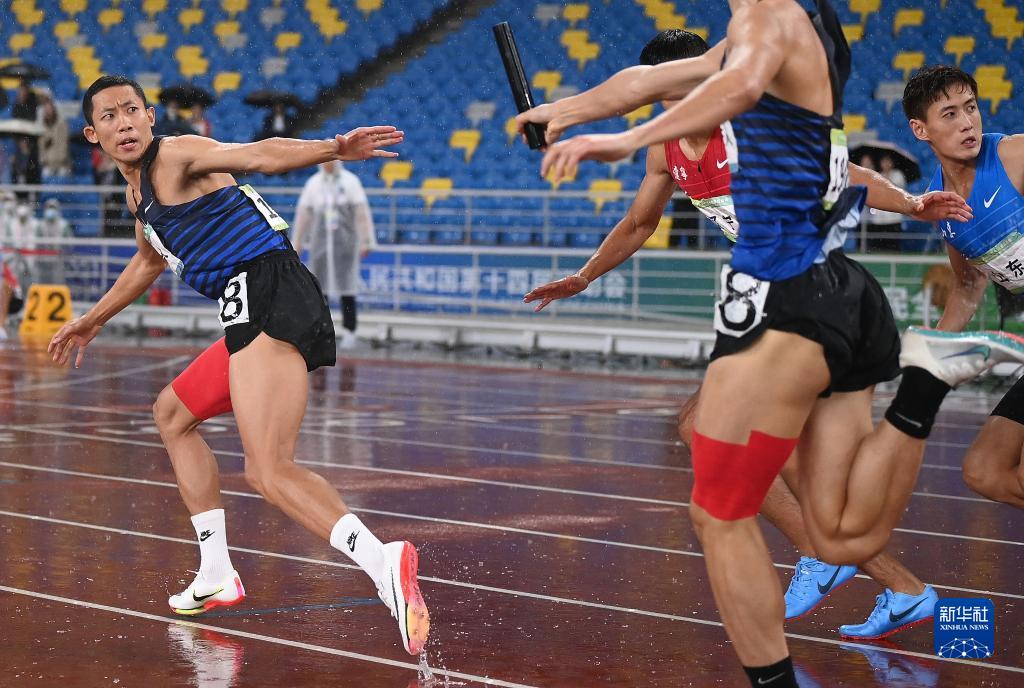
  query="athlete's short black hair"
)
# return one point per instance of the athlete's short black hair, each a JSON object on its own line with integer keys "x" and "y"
{"x": 103, "y": 83}
{"x": 931, "y": 83}
{"x": 674, "y": 44}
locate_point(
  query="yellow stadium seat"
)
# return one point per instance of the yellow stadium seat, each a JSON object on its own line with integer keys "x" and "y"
{"x": 1011, "y": 30}
{"x": 853, "y": 32}
{"x": 547, "y": 80}
{"x": 86, "y": 78}
{"x": 570, "y": 177}
{"x": 985, "y": 4}
{"x": 368, "y": 7}
{"x": 193, "y": 16}
{"x": 153, "y": 7}
{"x": 511, "y": 129}
{"x": 152, "y": 94}
{"x": 571, "y": 37}
{"x": 73, "y": 7}
{"x": 584, "y": 53}
{"x": 287, "y": 40}
{"x": 65, "y": 30}
{"x": 184, "y": 53}
{"x": 112, "y": 16}
{"x": 193, "y": 68}
{"x": 21, "y": 41}
{"x": 1000, "y": 13}
{"x": 333, "y": 28}
{"x": 959, "y": 46}
{"x": 701, "y": 31}
{"x": 153, "y": 41}
{"x": 233, "y": 7}
{"x": 224, "y": 29}
{"x": 995, "y": 92}
{"x": 81, "y": 52}
{"x": 908, "y": 62}
{"x": 668, "y": 21}
{"x": 642, "y": 112}
{"x": 395, "y": 171}
{"x": 864, "y": 8}
{"x": 227, "y": 81}
{"x": 435, "y": 189}
{"x": 990, "y": 73}
{"x": 853, "y": 123}
{"x": 603, "y": 190}
{"x": 466, "y": 140}
{"x": 575, "y": 13}
{"x": 907, "y": 17}
{"x": 661, "y": 233}
{"x": 29, "y": 19}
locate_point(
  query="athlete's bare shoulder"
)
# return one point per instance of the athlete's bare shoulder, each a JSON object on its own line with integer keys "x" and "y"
{"x": 185, "y": 149}
{"x": 1011, "y": 154}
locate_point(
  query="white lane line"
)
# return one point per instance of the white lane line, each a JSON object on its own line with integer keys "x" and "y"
{"x": 74, "y": 381}
{"x": 454, "y": 522}
{"x": 493, "y": 589}
{"x": 259, "y": 636}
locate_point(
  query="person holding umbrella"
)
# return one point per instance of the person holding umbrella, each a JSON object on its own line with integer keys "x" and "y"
{"x": 278, "y": 122}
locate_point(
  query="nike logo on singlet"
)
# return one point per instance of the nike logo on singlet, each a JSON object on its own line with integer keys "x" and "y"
{"x": 722, "y": 163}
{"x": 989, "y": 202}
{"x": 149, "y": 206}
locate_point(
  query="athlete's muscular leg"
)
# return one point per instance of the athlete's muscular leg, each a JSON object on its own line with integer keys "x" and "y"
{"x": 195, "y": 469}
{"x": 779, "y": 377}
{"x": 857, "y": 481}
{"x": 993, "y": 466}
{"x": 780, "y": 506}
{"x": 269, "y": 386}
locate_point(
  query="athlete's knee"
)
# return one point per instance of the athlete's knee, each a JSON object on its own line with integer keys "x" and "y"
{"x": 978, "y": 475}
{"x": 170, "y": 415}
{"x": 259, "y": 478}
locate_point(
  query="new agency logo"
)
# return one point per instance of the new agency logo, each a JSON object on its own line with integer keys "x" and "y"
{"x": 965, "y": 628}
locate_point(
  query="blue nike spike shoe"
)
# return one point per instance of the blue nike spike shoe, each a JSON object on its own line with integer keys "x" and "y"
{"x": 894, "y": 612}
{"x": 813, "y": 580}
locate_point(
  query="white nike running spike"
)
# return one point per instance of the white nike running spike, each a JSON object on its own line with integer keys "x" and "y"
{"x": 201, "y": 595}
{"x": 399, "y": 589}
{"x": 956, "y": 357}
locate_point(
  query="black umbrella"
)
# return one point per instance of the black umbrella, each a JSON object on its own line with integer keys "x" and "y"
{"x": 187, "y": 95}
{"x": 903, "y": 161}
{"x": 270, "y": 98}
{"x": 24, "y": 71}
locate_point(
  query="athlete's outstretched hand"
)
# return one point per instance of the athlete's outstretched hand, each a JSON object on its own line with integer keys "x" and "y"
{"x": 563, "y": 158}
{"x": 559, "y": 289}
{"x": 941, "y": 205}
{"x": 78, "y": 332}
{"x": 547, "y": 115}
{"x": 368, "y": 142}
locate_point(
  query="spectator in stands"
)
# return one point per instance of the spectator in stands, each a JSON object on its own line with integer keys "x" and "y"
{"x": 199, "y": 121}
{"x": 333, "y": 220}
{"x": 50, "y": 267}
{"x": 277, "y": 123}
{"x": 22, "y": 230}
{"x": 884, "y": 227}
{"x": 172, "y": 123}
{"x": 53, "y": 144}
{"x": 25, "y": 168}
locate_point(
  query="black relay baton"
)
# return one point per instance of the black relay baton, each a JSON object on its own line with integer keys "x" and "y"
{"x": 517, "y": 80}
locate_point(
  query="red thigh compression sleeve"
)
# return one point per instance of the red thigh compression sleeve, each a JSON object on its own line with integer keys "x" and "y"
{"x": 731, "y": 480}
{"x": 203, "y": 386}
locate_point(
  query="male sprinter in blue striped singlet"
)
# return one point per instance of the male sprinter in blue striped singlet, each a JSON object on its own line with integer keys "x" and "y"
{"x": 941, "y": 104}
{"x": 227, "y": 243}
{"x": 803, "y": 332}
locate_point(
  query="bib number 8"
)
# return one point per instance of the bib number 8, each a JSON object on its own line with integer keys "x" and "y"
{"x": 234, "y": 305}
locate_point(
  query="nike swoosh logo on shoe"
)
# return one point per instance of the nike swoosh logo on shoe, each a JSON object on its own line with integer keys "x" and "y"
{"x": 200, "y": 598}
{"x": 825, "y": 588}
{"x": 896, "y": 618}
{"x": 978, "y": 349}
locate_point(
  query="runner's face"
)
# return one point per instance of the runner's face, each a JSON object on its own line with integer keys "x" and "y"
{"x": 122, "y": 125}
{"x": 952, "y": 126}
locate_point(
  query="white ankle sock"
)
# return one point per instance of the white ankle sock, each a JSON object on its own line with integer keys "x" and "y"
{"x": 215, "y": 562}
{"x": 350, "y": 536}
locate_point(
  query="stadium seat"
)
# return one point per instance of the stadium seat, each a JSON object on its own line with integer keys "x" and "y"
{"x": 65, "y": 30}
{"x": 668, "y": 21}
{"x": 227, "y": 81}
{"x": 854, "y": 123}
{"x": 395, "y": 171}
{"x": 511, "y": 129}
{"x": 890, "y": 93}
{"x": 480, "y": 111}
{"x": 547, "y": 80}
{"x": 993, "y": 85}
{"x": 642, "y": 112}
{"x": 959, "y": 46}
{"x": 153, "y": 7}
{"x": 853, "y": 32}
{"x": 153, "y": 41}
{"x": 571, "y": 37}
{"x": 333, "y": 27}
{"x": 225, "y": 29}
{"x": 865, "y": 8}
{"x": 568, "y": 179}
{"x": 467, "y": 140}
{"x": 546, "y": 13}
{"x": 112, "y": 16}
{"x": 602, "y": 191}
{"x": 73, "y": 7}
{"x": 234, "y": 7}
{"x": 907, "y": 17}
{"x": 575, "y": 13}
{"x": 274, "y": 66}
{"x": 908, "y": 62}
{"x": 21, "y": 41}
{"x": 435, "y": 189}
{"x": 563, "y": 91}
{"x": 190, "y": 17}
{"x": 1010, "y": 28}
{"x": 368, "y": 7}
{"x": 287, "y": 40}
{"x": 701, "y": 31}
{"x": 990, "y": 73}
{"x": 584, "y": 53}
{"x": 661, "y": 234}
{"x": 30, "y": 18}
{"x": 271, "y": 17}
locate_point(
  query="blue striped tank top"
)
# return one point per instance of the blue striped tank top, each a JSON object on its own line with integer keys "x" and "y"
{"x": 993, "y": 239}
{"x": 206, "y": 239}
{"x": 791, "y": 178}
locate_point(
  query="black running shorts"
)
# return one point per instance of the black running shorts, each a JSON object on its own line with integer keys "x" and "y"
{"x": 1011, "y": 406}
{"x": 276, "y": 294}
{"x": 837, "y": 303}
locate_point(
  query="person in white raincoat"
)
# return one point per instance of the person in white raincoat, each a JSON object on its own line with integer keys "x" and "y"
{"x": 333, "y": 221}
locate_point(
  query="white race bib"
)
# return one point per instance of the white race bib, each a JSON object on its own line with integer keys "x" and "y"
{"x": 276, "y": 222}
{"x": 234, "y": 304}
{"x": 740, "y": 307}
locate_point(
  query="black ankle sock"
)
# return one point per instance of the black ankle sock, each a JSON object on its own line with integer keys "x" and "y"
{"x": 778, "y": 675}
{"x": 917, "y": 402}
